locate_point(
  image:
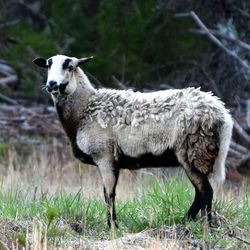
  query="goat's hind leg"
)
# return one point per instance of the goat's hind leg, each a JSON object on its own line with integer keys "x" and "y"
{"x": 203, "y": 195}
{"x": 197, "y": 155}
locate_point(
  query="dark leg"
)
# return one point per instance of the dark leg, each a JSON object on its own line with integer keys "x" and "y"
{"x": 197, "y": 155}
{"x": 195, "y": 207}
{"x": 207, "y": 197}
{"x": 203, "y": 195}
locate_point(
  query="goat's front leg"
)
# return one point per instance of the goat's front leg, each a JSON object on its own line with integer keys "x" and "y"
{"x": 109, "y": 174}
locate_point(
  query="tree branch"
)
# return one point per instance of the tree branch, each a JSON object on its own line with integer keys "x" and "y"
{"x": 244, "y": 161}
{"x": 96, "y": 81}
{"x": 215, "y": 40}
{"x": 241, "y": 44}
{"x": 239, "y": 148}
{"x": 212, "y": 83}
{"x": 118, "y": 83}
{"x": 243, "y": 135}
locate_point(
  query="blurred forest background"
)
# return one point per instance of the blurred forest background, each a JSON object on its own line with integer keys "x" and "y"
{"x": 136, "y": 44}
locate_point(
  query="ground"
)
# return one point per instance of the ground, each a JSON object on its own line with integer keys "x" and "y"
{"x": 48, "y": 200}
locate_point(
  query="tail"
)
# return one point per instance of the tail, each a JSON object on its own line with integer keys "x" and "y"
{"x": 217, "y": 177}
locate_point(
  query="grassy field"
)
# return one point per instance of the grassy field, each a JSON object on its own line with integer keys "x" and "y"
{"x": 47, "y": 202}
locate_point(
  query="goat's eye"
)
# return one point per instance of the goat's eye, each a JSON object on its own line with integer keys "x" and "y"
{"x": 70, "y": 68}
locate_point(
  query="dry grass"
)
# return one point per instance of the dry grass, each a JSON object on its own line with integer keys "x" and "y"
{"x": 46, "y": 172}
{"x": 49, "y": 172}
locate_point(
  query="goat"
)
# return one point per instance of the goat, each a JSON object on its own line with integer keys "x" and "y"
{"x": 116, "y": 129}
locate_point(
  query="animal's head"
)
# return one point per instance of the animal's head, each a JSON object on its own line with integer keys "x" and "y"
{"x": 61, "y": 71}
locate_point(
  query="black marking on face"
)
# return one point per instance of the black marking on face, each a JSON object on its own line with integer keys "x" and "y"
{"x": 70, "y": 68}
{"x": 66, "y": 63}
{"x": 50, "y": 61}
{"x": 62, "y": 87}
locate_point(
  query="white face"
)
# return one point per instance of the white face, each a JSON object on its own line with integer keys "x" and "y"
{"x": 60, "y": 75}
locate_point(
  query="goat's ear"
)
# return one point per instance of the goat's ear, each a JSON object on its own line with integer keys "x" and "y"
{"x": 41, "y": 62}
{"x": 82, "y": 61}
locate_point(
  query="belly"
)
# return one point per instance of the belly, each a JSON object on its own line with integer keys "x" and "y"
{"x": 166, "y": 159}
{"x": 144, "y": 139}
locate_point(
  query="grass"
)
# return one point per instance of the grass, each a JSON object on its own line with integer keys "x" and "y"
{"x": 45, "y": 207}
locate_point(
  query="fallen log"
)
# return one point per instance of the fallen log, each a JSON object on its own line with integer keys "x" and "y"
{"x": 8, "y": 80}
{"x": 237, "y": 147}
{"x": 8, "y": 100}
{"x": 245, "y": 161}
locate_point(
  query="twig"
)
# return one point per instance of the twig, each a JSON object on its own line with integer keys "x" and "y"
{"x": 215, "y": 40}
{"x": 5, "y": 69}
{"x": 244, "y": 161}
{"x": 242, "y": 12}
{"x": 9, "y": 24}
{"x": 248, "y": 113}
{"x": 228, "y": 232}
{"x": 13, "y": 119}
{"x": 230, "y": 235}
{"x": 182, "y": 15}
{"x": 96, "y": 81}
{"x": 221, "y": 237}
{"x": 235, "y": 154}
{"x": 212, "y": 83}
{"x": 240, "y": 239}
{"x": 119, "y": 84}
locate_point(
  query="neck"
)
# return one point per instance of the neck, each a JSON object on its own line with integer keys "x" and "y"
{"x": 83, "y": 80}
{"x": 72, "y": 107}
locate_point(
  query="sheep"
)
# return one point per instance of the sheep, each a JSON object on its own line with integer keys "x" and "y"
{"x": 118, "y": 129}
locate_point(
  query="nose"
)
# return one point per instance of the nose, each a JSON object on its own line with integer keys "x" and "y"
{"x": 52, "y": 85}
